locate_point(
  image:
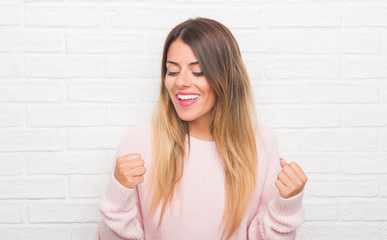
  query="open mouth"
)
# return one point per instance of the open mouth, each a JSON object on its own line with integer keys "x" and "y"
{"x": 186, "y": 100}
{"x": 187, "y": 97}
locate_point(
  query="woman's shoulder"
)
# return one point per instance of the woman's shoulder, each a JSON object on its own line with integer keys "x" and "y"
{"x": 266, "y": 136}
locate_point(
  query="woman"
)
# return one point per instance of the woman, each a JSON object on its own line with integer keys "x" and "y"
{"x": 203, "y": 168}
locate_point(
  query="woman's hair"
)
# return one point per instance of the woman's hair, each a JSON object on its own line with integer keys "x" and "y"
{"x": 233, "y": 124}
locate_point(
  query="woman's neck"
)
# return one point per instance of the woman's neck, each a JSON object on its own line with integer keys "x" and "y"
{"x": 200, "y": 131}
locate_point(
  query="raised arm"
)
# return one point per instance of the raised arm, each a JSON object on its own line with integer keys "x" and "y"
{"x": 280, "y": 212}
{"x": 119, "y": 205}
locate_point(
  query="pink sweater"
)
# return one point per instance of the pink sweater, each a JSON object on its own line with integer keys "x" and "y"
{"x": 268, "y": 216}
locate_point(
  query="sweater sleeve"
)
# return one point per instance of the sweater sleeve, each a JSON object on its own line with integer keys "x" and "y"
{"x": 120, "y": 206}
{"x": 277, "y": 218}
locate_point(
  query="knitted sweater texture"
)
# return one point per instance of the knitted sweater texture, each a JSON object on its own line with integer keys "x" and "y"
{"x": 196, "y": 214}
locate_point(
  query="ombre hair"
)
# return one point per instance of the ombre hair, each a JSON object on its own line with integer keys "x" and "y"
{"x": 234, "y": 125}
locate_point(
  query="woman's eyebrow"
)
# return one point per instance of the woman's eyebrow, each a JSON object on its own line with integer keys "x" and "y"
{"x": 175, "y": 63}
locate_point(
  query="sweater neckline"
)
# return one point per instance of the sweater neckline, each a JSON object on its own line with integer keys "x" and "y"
{"x": 195, "y": 142}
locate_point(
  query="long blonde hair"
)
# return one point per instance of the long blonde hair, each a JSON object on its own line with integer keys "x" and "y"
{"x": 233, "y": 126}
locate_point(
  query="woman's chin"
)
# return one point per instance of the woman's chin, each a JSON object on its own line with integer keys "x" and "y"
{"x": 185, "y": 117}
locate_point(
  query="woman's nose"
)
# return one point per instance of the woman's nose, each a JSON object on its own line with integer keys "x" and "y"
{"x": 183, "y": 79}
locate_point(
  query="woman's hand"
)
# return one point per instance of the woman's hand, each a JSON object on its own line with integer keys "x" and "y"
{"x": 291, "y": 180}
{"x": 129, "y": 170}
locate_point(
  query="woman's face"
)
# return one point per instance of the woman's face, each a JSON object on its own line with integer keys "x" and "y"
{"x": 188, "y": 88}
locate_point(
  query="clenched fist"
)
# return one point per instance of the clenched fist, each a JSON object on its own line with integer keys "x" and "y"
{"x": 130, "y": 170}
{"x": 291, "y": 180}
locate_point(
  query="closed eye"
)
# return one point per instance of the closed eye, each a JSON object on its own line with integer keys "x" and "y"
{"x": 198, "y": 74}
{"x": 172, "y": 73}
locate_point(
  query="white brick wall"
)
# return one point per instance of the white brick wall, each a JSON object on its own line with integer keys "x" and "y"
{"x": 76, "y": 75}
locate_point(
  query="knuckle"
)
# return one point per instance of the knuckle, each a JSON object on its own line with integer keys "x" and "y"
{"x": 136, "y": 155}
{"x": 119, "y": 159}
{"x": 299, "y": 182}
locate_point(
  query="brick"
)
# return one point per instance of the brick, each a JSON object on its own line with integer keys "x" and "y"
{"x": 94, "y": 138}
{"x": 87, "y": 186}
{"x": 63, "y": 211}
{"x": 384, "y": 44}
{"x": 298, "y": 15}
{"x": 343, "y": 42}
{"x": 111, "y": 90}
{"x": 302, "y": 116}
{"x": 253, "y": 16}
{"x": 342, "y": 230}
{"x": 342, "y": 92}
{"x": 383, "y": 139}
{"x": 12, "y": 164}
{"x": 31, "y": 40}
{"x": 83, "y": 231}
{"x": 11, "y": 65}
{"x": 185, "y": 1}
{"x": 161, "y": 16}
{"x": 321, "y": 209}
{"x": 109, "y": 161}
{"x": 383, "y": 188}
{"x": 12, "y": 115}
{"x": 41, "y": 1}
{"x": 341, "y": 140}
{"x": 32, "y": 187}
{"x": 65, "y": 115}
{"x": 365, "y": 16}
{"x": 24, "y": 231}
{"x": 364, "y": 210}
{"x": 155, "y": 16}
{"x": 301, "y": 68}
{"x": 32, "y": 139}
{"x": 270, "y": 42}
{"x": 152, "y": 91}
{"x": 11, "y": 212}
{"x": 278, "y": 93}
{"x": 155, "y": 40}
{"x": 128, "y": 114}
{"x": 361, "y": 116}
{"x": 289, "y": 140}
{"x": 365, "y": 67}
{"x": 65, "y": 163}
{"x": 363, "y": 163}
{"x": 62, "y": 15}
{"x": 98, "y": 1}
{"x": 315, "y": 162}
{"x": 384, "y": 91}
{"x": 37, "y": 90}
{"x": 11, "y": 14}
{"x": 124, "y": 67}
{"x": 64, "y": 66}
{"x": 255, "y": 65}
{"x": 342, "y": 187}
{"x": 105, "y": 42}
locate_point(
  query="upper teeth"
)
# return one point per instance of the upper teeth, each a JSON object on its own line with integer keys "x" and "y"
{"x": 185, "y": 97}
